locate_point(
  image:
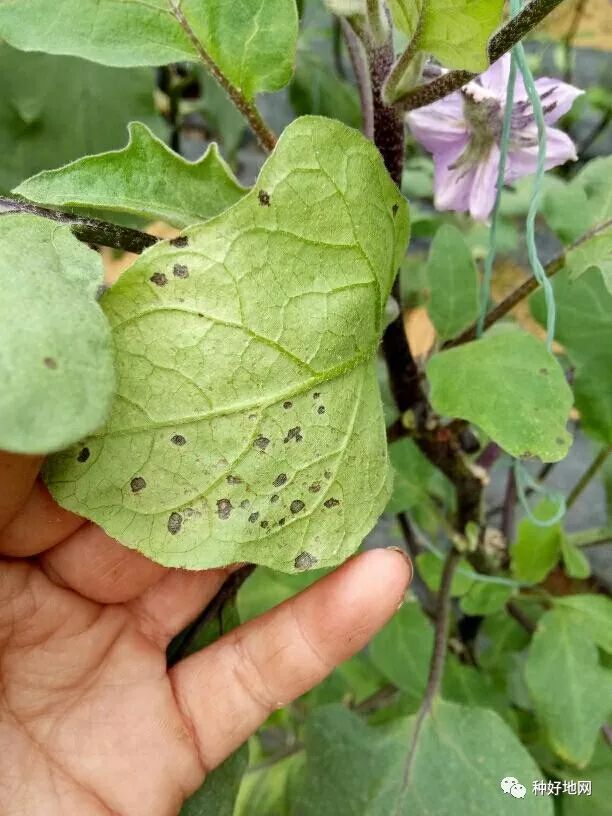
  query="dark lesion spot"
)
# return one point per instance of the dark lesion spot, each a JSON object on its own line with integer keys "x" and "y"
{"x": 316, "y": 395}
{"x": 159, "y": 279}
{"x": 280, "y": 480}
{"x": 175, "y": 522}
{"x": 394, "y": 209}
{"x": 50, "y": 362}
{"x": 305, "y": 561}
{"x": 559, "y": 441}
{"x": 274, "y": 498}
{"x": 327, "y": 474}
{"x": 287, "y": 405}
{"x": 329, "y": 503}
{"x": 294, "y": 433}
{"x": 224, "y": 508}
{"x": 264, "y": 524}
{"x": 233, "y": 480}
{"x": 137, "y": 484}
{"x": 296, "y": 506}
{"x": 544, "y": 371}
{"x": 83, "y": 455}
{"x": 102, "y": 288}
{"x": 178, "y": 439}
{"x": 264, "y": 198}
{"x": 261, "y": 443}
{"x": 253, "y": 517}
{"x": 181, "y": 241}
{"x": 180, "y": 271}
{"x": 321, "y": 409}
{"x": 315, "y": 487}
{"x": 281, "y": 522}
{"x": 245, "y": 504}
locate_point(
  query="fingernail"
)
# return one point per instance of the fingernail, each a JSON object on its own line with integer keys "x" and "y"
{"x": 408, "y": 561}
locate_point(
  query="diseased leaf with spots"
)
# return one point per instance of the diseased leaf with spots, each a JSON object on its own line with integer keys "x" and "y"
{"x": 456, "y": 32}
{"x": 572, "y": 693}
{"x": 145, "y": 178}
{"x": 247, "y": 424}
{"x": 461, "y": 756}
{"x": 453, "y": 283}
{"x": 56, "y": 366}
{"x": 510, "y": 386}
{"x": 252, "y": 41}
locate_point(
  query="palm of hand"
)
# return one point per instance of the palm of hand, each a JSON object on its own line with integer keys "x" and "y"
{"x": 91, "y": 720}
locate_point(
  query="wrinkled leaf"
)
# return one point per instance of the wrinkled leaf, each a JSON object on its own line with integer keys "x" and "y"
{"x": 145, "y": 178}
{"x": 537, "y": 549}
{"x": 56, "y": 366}
{"x": 584, "y": 327}
{"x": 456, "y": 32}
{"x": 593, "y": 613}
{"x": 510, "y": 386}
{"x": 247, "y": 413}
{"x": 463, "y": 753}
{"x": 453, "y": 283}
{"x": 402, "y": 649}
{"x": 253, "y": 43}
{"x": 571, "y": 693}
{"x": 219, "y": 792}
{"x": 40, "y": 94}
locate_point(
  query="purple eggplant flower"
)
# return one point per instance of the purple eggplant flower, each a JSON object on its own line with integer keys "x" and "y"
{"x": 463, "y": 132}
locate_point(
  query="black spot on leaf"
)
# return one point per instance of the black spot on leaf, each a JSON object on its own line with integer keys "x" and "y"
{"x": 180, "y": 241}
{"x": 321, "y": 409}
{"x": 559, "y": 441}
{"x": 287, "y": 404}
{"x": 102, "y": 288}
{"x": 224, "y": 508}
{"x": 329, "y": 503}
{"x": 280, "y": 480}
{"x": 264, "y": 198}
{"x": 261, "y": 443}
{"x": 245, "y": 504}
{"x": 253, "y": 517}
{"x": 180, "y": 271}
{"x": 544, "y": 371}
{"x": 175, "y": 522}
{"x": 316, "y": 395}
{"x": 233, "y": 480}
{"x": 305, "y": 561}
{"x": 296, "y": 506}
{"x": 83, "y": 455}
{"x": 294, "y": 433}
{"x": 137, "y": 484}
{"x": 50, "y": 362}
{"x": 281, "y": 522}
{"x": 274, "y": 498}
{"x": 264, "y": 524}
{"x": 179, "y": 440}
{"x": 394, "y": 209}
{"x": 159, "y": 279}
{"x": 327, "y": 474}
{"x": 315, "y": 487}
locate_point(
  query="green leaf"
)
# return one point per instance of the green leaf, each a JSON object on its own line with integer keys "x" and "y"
{"x": 416, "y": 480}
{"x": 584, "y": 327}
{"x": 40, "y": 94}
{"x": 430, "y": 569}
{"x": 457, "y": 32}
{"x": 267, "y": 588}
{"x": 253, "y": 43}
{"x": 537, "y": 549}
{"x": 56, "y": 366}
{"x": 593, "y": 613}
{"x": 402, "y": 649}
{"x": 462, "y": 755}
{"x": 597, "y": 252}
{"x": 485, "y": 599}
{"x": 574, "y": 560}
{"x": 453, "y": 283}
{"x": 223, "y": 119}
{"x": 317, "y": 89}
{"x": 585, "y": 202}
{"x": 472, "y": 687}
{"x": 145, "y": 178}
{"x": 266, "y": 790}
{"x": 510, "y": 386}
{"x": 219, "y": 792}
{"x": 247, "y": 398}
{"x": 572, "y": 694}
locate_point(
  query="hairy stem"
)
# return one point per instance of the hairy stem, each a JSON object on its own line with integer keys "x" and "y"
{"x": 525, "y": 289}
{"x": 589, "y": 474}
{"x": 377, "y": 21}
{"x": 181, "y": 647}
{"x": 436, "y": 667}
{"x": 359, "y": 62}
{"x": 265, "y": 136}
{"x": 508, "y": 36}
{"x": 88, "y": 230}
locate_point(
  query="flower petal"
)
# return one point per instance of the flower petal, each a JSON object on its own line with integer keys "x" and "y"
{"x": 495, "y": 78}
{"x": 452, "y": 185}
{"x": 484, "y": 186}
{"x": 557, "y": 93}
{"x": 523, "y": 161}
{"x": 439, "y": 125}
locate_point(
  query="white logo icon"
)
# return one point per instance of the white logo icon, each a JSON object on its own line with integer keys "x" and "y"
{"x": 511, "y": 785}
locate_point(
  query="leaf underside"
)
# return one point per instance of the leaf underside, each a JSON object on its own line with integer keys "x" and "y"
{"x": 247, "y": 424}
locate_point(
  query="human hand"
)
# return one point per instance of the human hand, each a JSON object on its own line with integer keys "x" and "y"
{"x": 92, "y": 723}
